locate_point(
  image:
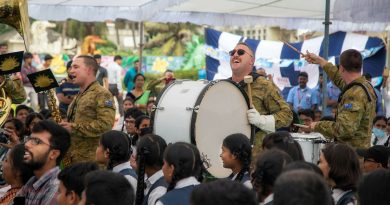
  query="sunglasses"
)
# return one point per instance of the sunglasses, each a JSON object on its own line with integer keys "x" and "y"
{"x": 240, "y": 52}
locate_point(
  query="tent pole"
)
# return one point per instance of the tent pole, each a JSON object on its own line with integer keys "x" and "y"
{"x": 325, "y": 54}
{"x": 141, "y": 44}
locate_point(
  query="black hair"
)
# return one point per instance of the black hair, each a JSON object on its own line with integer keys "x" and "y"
{"x": 303, "y": 74}
{"x": 186, "y": 161}
{"x": 47, "y": 57}
{"x": 284, "y": 141}
{"x": 379, "y": 117}
{"x": 19, "y": 126}
{"x": 301, "y": 187}
{"x": 303, "y": 165}
{"x": 46, "y": 113}
{"x": 136, "y": 76}
{"x": 136, "y": 61}
{"x": 27, "y": 55}
{"x": 59, "y": 136}
{"x": 118, "y": 145}
{"x": 117, "y": 57}
{"x": 23, "y": 107}
{"x": 72, "y": 177}
{"x": 222, "y": 192}
{"x": 69, "y": 65}
{"x": 268, "y": 167}
{"x": 150, "y": 151}
{"x": 133, "y": 112}
{"x": 375, "y": 188}
{"x": 368, "y": 76}
{"x": 129, "y": 99}
{"x": 30, "y": 118}
{"x": 139, "y": 120}
{"x": 106, "y": 187}
{"x": 344, "y": 165}
{"x": 327, "y": 118}
{"x": 239, "y": 145}
{"x": 307, "y": 112}
{"x": 98, "y": 56}
{"x": 351, "y": 60}
{"x": 17, "y": 155}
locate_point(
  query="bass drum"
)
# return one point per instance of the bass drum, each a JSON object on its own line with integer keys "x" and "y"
{"x": 203, "y": 114}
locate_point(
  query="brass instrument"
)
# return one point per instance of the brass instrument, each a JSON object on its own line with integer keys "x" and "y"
{"x": 13, "y": 13}
{"x": 55, "y": 111}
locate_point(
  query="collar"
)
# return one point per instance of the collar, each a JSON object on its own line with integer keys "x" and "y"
{"x": 91, "y": 87}
{"x": 120, "y": 167}
{"x": 52, "y": 173}
{"x": 186, "y": 182}
{"x": 269, "y": 198}
{"x": 156, "y": 176}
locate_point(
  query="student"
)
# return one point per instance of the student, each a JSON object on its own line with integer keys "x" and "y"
{"x": 375, "y": 188}
{"x": 182, "y": 166}
{"x": 72, "y": 182}
{"x": 301, "y": 187}
{"x": 150, "y": 151}
{"x": 114, "y": 151}
{"x": 340, "y": 165}
{"x": 236, "y": 155}
{"x": 104, "y": 187}
{"x": 215, "y": 193}
{"x": 268, "y": 167}
{"x": 283, "y": 140}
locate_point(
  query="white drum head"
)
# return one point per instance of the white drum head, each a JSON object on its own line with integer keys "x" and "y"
{"x": 222, "y": 112}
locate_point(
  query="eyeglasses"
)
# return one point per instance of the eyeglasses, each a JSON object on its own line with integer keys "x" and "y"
{"x": 36, "y": 141}
{"x": 240, "y": 52}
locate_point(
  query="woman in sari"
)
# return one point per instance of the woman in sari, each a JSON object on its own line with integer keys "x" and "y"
{"x": 138, "y": 94}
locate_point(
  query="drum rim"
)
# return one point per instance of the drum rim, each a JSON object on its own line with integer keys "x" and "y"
{"x": 199, "y": 100}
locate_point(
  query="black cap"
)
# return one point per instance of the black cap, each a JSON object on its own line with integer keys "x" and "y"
{"x": 48, "y": 57}
{"x": 378, "y": 153}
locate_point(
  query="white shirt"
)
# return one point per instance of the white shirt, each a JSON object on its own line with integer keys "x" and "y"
{"x": 337, "y": 194}
{"x": 114, "y": 75}
{"x": 247, "y": 183}
{"x": 268, "y": 199}
{"x": 158, "y": 191}
{"x": 132, "y": 180}
{"x": 183, "y": 183}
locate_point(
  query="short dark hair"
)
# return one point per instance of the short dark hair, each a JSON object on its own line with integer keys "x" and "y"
{"x": 117, "y": 57}
{"x": 89, "y": 61}
{"x": 351, "y": 60}
{"x": 3, "y": 44}
{"x": 301, "y": 187}
{"x": 118, "y": 145}
{"x": 59, "y": 139}
{"x": 106, "y": 187}
{"x": 307, "y": 112}
{"x": 222, "y": 192}
{"x": 375, "y": 188}
{"x": 69, "y": 65}
{"x": 303, "y": 74}
{"x": 284, "y": 141}
{"x": 268, "y": 167}
{"x": 48, "y": 57}
{"x": 133, "y": 112}
{"x": 344, "y": 165}
{"x": 368, "y": 76}
{"x": 97, "y": 56}
{"x": 72, "y": 177}
{"x": 136, "y": 61}
{"x": 17, "y": 155}
{"x": 247, "y": 45}
{"x": 23, "y": 107}
{"x": 139, "y": 120}
{"x": 379, "y": 117}
{"x": 27, "y": 55}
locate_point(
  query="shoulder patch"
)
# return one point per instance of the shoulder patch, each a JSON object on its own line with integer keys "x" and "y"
{"x": 348, "y": 106}
{"x": 108, "y": 103}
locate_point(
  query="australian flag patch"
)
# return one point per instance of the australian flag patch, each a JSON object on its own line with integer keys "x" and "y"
{"x": 348, "y": 106}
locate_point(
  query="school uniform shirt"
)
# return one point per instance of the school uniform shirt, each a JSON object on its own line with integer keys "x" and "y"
{"x": 246, "y": 180}
{"x": 180, "y": 195}
{"x": 156, "y": 187}
{"x": 128, "y": 173}
{"x": 337, "y": 194}
{"x": 268, "y": 200}
{"x": 302, "y": 98}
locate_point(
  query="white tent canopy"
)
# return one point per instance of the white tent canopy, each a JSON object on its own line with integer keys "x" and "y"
{"x": 290, "y": 14}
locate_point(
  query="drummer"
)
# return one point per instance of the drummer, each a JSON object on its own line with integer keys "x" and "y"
{"x": 269, "y": 110}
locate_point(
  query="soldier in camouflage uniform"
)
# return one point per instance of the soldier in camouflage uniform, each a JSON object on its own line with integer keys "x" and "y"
{"x": 356, "y": 106}
{"x": 91, "y": 113}
{"x": 13, "y": 88}
{"x": 270, "y": 109}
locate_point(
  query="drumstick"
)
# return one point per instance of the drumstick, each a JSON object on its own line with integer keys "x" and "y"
{"x": 248, "y": 80}
{"x": 292, "y": 47}
{"x": 300, "y": 125}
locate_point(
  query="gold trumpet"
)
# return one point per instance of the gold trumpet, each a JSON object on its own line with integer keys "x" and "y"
{"x": 13, "y": 13}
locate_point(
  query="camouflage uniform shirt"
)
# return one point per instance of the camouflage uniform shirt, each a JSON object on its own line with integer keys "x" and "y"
{"x": 91, "y": 113}
{"x": 355, "y": 113}
{"x": 268, "y": 101}
{"x": 14, "y": 89}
